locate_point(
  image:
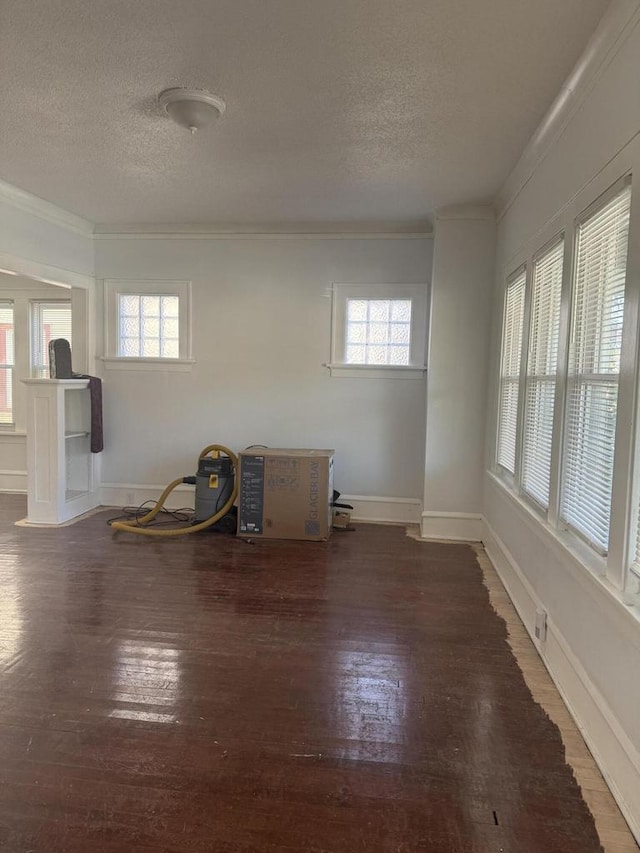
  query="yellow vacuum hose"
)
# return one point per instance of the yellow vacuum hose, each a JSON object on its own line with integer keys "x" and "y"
{"x": 137, "y": 526}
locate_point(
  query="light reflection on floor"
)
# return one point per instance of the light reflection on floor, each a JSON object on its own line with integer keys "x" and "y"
{"x": 11, "y": 618}
{"x": 146, "y": 681}
{"x": 369, "y": 707}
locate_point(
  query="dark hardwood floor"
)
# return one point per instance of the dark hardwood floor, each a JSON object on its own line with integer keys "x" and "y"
{"x": 205, "y": 694}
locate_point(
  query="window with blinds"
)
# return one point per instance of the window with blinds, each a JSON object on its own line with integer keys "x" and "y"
{"x": 542, "y": 360}
{"x": 49, "y": 320}
{"x": 6, "y": 362}
{"x": 594, "y": 366}
{"x": 510, "y": 371}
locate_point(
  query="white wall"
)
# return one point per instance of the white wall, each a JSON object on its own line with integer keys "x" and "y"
{"x": 593, "y": 644}
{"x": 261, "y": 333}
{"x": 460, "y": 320}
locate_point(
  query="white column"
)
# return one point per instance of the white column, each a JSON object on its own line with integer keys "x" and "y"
{"x": 460, "y": 323}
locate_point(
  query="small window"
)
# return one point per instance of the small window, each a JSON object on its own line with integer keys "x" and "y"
{"x": 49, "y": 320}
{"x": 379, "y": 330}
{"x": 6, "y": 363}
{"x": 148, "y": 323}
{"x": 148, "y": 326}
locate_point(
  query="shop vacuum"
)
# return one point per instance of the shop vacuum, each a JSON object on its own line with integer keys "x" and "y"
{"x": 216, "y": 492}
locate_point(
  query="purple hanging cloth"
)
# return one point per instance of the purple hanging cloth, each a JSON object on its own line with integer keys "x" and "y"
{"x": 60, "y": 368}
{"x": 95, "y": 396}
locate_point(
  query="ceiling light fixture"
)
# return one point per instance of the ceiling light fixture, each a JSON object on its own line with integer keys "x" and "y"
{"x": 191, "y": 108}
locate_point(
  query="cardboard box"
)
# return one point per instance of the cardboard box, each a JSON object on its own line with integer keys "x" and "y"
{"x": 285, "y": 494}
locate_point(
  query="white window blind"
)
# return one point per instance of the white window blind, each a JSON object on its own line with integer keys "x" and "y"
{"x": 49, "y": 320}
{"x": 510, "y": 371}
{"x": 541, "y": 373}
{"x": 6, "y": 362}
{"x": 594, "y": 367}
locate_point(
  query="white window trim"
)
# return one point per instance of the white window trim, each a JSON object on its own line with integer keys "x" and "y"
{"x": 113, "y": 289}
{"x": 22, "y": 295}
{"x": 417, "y": 293}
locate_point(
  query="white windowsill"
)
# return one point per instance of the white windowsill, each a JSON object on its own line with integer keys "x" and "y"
{"x": 8, "y": 431}
{"x": 590, "y": 567}
{"x": 562, "y": 536}
{"x": 121, "y": 363}
{"x": 375, "y": 371}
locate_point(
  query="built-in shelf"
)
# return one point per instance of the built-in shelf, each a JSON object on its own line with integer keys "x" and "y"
{"x": 62, "y": 474}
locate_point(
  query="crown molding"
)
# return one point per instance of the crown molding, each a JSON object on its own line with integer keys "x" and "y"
{"x": 28, "y": 203}
{"x": 616, "y": 25}
{"x": 335, "y": 231}
{"x": 16, "y": 265}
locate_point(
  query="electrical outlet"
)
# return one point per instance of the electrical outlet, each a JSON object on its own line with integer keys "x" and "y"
{"x": 540, "y": 629}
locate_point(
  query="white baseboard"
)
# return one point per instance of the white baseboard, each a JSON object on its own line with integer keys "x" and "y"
{"x": 451, "y": 525}
{"x": 384, "y": 510}
{"x": 13, "y": 481}
{"x": 135, "y": 494}
{"x": 365, "y": 508}
{"x": 615, "y": 754}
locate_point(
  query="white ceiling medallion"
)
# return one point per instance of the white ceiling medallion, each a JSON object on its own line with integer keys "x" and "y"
{"x": 191, "y": 108}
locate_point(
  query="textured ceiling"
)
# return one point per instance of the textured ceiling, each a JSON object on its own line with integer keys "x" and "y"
{"x": 338, "y": 111}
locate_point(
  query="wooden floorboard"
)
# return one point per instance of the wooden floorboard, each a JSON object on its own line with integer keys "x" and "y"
{"x": 207, "y": 694}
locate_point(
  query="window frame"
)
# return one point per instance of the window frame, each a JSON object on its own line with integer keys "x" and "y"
{"x": 9, "y": 426}
{"x": 415, "y": 293}
{"x": 113, "y": 290}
